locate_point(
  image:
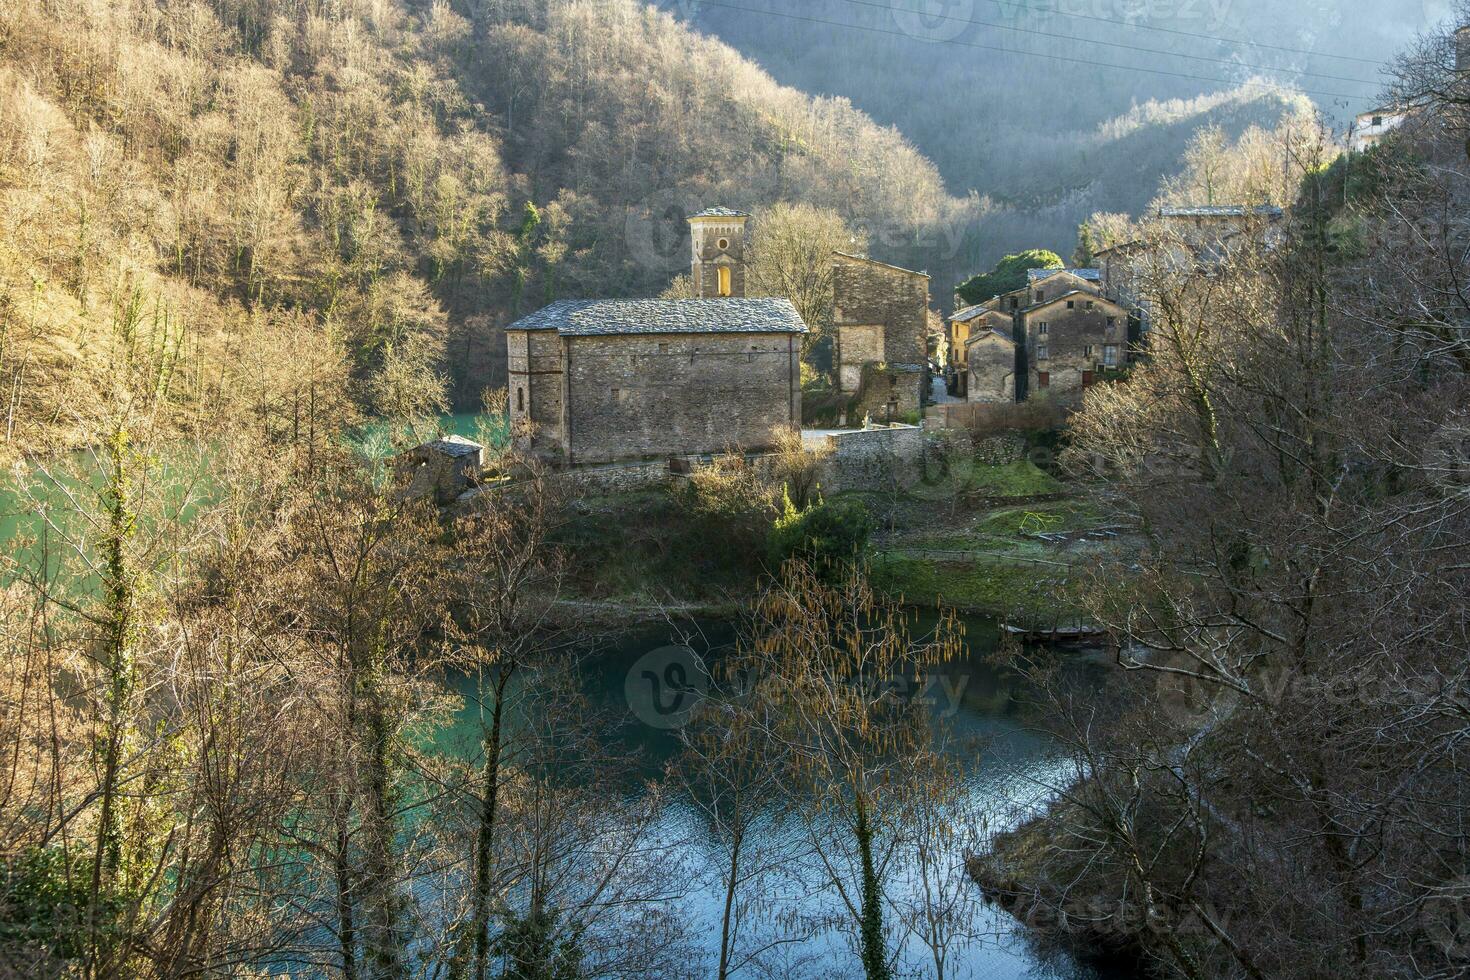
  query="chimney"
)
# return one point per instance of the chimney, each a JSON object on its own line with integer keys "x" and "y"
{"x": 718, "y": 237}
{"x": 1462, "y": 49}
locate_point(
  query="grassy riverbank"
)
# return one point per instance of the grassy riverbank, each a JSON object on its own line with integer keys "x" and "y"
{"x": 998, "y": 540}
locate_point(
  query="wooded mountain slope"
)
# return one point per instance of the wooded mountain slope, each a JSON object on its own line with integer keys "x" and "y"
{"x": 224, "y": 187}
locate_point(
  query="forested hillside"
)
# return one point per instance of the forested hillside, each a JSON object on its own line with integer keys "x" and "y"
{"x": 256, "y": 202}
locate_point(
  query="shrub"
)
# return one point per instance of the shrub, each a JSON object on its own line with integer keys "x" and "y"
{"x": 728, "y": 507}
{"x": 825, "y": 535}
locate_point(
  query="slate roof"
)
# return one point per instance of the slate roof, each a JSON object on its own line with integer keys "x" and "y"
{"x": 987, "y": 334}
{"x": 971, "y": 312}
{"x": 452, "y": 446}
{"x": 887, "y": 265}
{"x": 1127, "y": 246}
{"x": 1036, "y": 275}
{"x": 603, "y": 317}
{"x": 719, "y": 213}
{"x": 1221, "y": 211}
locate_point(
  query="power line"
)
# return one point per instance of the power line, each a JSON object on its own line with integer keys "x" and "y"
{"x": 1029, "y": 54}
{"x": 1127, "y": 47}
{"x": 1178, "y": 33}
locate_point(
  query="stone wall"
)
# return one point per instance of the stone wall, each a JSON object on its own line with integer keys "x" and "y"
{"x": 992, "y": 369}
{"x": 889, "y": 392}
{"x": 660, "y": 395}
{"x": 867, "y": 292}
{"x": 535, "y": 388}
{"x": 860, "y": 344}
{"x": 870, "y": 459}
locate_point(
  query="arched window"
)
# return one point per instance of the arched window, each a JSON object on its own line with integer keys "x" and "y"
{"x": 725, "y": 280}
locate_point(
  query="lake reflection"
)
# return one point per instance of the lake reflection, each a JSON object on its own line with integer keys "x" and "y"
{"x": 1009, "y": 768}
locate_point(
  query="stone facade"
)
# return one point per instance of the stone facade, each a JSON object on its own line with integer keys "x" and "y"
{"x": 881, "y": 316}
{"x": 631, "y": 397}
{"x": 441, "y": 470}
{"x": 867, "y": 459}
{"x": 990, "y": 359}
{"x": 971, "y": 322}
{"x": 862, "y": 344}
{"x": 602, "y": 381}
{"x": 1069, "y": 342}
{"x": 718, "y": 263}
{"x": 534, "y": 366}
{"x": 1044, "y": 284}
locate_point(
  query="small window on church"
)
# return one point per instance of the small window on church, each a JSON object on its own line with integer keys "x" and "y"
{"x": 724, "y": 244}
{"x": 725, "y": 289}
{"x": 520, "y": 399}
{"x": 1071, "y": 304}
{"x": 663, "y": 348}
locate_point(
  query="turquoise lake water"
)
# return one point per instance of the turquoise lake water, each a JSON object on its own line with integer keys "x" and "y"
{"x": 1010, "y": 768}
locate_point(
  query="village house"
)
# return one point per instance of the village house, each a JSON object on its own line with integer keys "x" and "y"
{"x": 1369, "y": 128}
{"x": 598, "y": 381}
{"x": 969, "y": 322}
{"x": 880, "y": 316}
{"x": 1054, "y": 336}
{"x": 1065, "y": 344}
{"x": 1195, "y": 235}
{"x": 990, "y": 366}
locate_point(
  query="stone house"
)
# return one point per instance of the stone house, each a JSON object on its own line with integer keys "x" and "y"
{"x": 1066, "y": 343}
{"x": 598, "y": 381}
{"x": 880, "y": 316}
{"x": 441, "y": 470}
{"x": 967, "y": 323}
{"x": 1044, "y": 283}
{"x": 990, "y": 366}
{"x": 1041, "y": 283}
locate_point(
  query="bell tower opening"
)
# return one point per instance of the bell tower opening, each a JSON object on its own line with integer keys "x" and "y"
{"x": 717, "y": 237}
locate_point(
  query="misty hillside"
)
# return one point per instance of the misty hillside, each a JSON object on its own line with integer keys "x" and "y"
{"x": 1003, "y": 102}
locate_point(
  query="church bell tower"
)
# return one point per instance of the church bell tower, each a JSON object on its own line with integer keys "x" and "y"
{"x": 718, "y": 236}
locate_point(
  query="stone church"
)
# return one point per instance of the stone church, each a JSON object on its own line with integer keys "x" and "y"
{"x": 598, "y": 381}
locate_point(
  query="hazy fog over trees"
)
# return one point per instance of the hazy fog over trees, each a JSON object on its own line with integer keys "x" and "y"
{"x": 1052, "y": 138}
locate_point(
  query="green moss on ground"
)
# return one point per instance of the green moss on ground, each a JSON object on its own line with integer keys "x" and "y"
{"x": 1021, "y": 479}
{"x": 1023, "y": 592}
